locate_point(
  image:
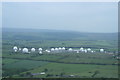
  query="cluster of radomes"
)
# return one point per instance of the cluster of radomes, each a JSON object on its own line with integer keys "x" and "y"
{"x": 40, "y": 50}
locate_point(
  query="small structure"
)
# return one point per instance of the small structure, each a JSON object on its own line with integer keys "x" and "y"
{"x": 70, "y": 49}
{"x": 81, "y": 49}
{"x": 52, "y": 49}
{"x": 20, "y": 49}
{"x": 32, "y": 49}
{"x": 63, "y": 48}
{"x": 72, "y": 75}
{"x": 40, "y": 52}
{"x": 101, "y": 50}
{"x": 77, "y": 51}
{"x": 88, "y": 49}
{"x": 56, "y": 49}
{"x": 85, "y": 51}
{"x": 48, "y": 51}
{"x": 15, "y": 48}
{"x": 42, "y": 73}
{"x": 59, "y": 48}
{"x": 40, "y": 49}
{"x": 92, "y": 51}
{"x": 25, "y": 50}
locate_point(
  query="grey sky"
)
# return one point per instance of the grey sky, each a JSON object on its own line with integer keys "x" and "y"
{"x": 76, "y": 16}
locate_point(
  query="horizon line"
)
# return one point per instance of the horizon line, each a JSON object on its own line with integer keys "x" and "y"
{"x": 57, "y": 30}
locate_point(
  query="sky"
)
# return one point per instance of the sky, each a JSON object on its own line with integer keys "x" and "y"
{"x": 74, "y": 16}
{"x": 60, "y": 0}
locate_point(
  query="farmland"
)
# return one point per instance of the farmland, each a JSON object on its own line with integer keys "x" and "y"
{"x": 64, "y": 64}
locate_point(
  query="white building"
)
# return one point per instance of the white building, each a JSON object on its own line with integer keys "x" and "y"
{"x": 63, "y": 48}
{"x": 77, "y": 51}
{"x": 20, "y": 49}
{"x": 40, "y": 52}
{"x": 70, "y": 49}
{"x": 32, "y": 49}
{"x": 81, "y": 49}
{"x": 25, "y": 50}
{"x": 60, "y": 48}
{"x": 92, "y": 51}
{"x": 40, "y": 49}
{"x": 56, "y": 49}
{"x": 101, "y": 50}
{"x": 89, "y": 49}
{"x": 48, "y": 51}
{"x": 42, "y": 73}
{"x": 15, "y": 48}
{"x": 52, "y": 49}
{"x": 85, "y": 51}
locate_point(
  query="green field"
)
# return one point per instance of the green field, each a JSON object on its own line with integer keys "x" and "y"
{"x": 64, "y": 64}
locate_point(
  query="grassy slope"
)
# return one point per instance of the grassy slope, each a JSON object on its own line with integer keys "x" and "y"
{"x": 47, "y": 39}
{"x": 78, "y": 70}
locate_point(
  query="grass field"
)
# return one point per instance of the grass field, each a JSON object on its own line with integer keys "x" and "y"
{"x": 64, "y": 64}
{"x": 79, "y": 70}
{"x": 55, "y": 69}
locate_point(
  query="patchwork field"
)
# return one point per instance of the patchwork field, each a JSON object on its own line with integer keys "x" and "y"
{"x": 63, "y": 64}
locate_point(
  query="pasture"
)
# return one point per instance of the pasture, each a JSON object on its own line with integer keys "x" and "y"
{"x": 64, "y": 64}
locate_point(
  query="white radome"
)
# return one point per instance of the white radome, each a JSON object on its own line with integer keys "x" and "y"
{"x": 40, "y": 52}
{"x": 48, "y": 51}
{"x": 33, "y": 50}
{"x": 59, "y": 48}
{"x": 89, "y": 49}
{"x": 81, "y": 49}
{"x": 101, "y": 50}
{"x": 63, "y": 48}
{"x": 77, "y": 51}
{"x": 70, "y": 49}
{"x": 20, "y": 49}
{"x": 25, "y": 50}
{"x": 56, "y": 49}
{"x": 15, "y": 48}
{"x": 40, "y": 49}
{"x": 52, "y": 49}
{"x": 92, "y": 51}
{"x": 85, "y": 51}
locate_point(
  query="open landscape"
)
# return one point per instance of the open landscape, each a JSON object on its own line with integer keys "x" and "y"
{"x": 59, "y": 64}
{"x": 60, "y": 40}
